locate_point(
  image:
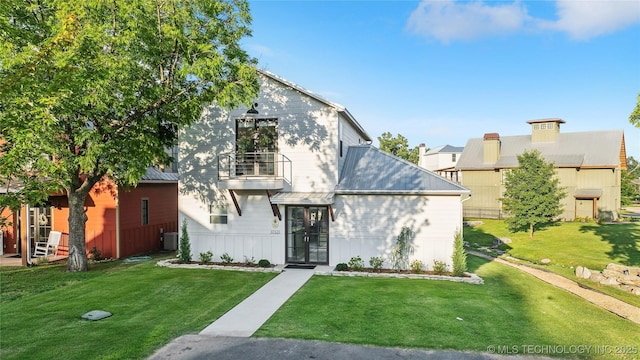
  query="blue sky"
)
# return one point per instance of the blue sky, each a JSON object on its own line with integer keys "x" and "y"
{"x": 441, "y": 72}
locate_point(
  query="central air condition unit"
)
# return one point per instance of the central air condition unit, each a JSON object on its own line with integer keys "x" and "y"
{"x": 171, "y": 241}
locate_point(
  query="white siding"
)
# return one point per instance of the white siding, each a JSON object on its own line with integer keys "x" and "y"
{"x": 368, "y": 225}
{"x": 350, "y": 137}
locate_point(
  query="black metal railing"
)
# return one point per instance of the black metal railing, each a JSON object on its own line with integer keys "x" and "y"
{"x": 254, "y": 164}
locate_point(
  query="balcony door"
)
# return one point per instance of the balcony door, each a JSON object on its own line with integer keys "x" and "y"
{"x": 256, "y": 147}
{"x": 307, "y": 234}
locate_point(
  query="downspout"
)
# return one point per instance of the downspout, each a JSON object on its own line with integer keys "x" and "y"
{"x": 462, "y": 210}
{"x": 118, "y": 225}
{"x": 26, "y": 249}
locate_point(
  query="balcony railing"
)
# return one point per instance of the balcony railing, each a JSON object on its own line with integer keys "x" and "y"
{"x": 254, "y": 165}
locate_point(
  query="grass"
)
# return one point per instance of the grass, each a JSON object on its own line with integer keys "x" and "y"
{"x": 510, "y": 309}
{"x": 569, "y": 245}
{"x": 40, "y": 316}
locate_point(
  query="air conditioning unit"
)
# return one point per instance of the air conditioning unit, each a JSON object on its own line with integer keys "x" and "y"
{"x": 171, "y": 241}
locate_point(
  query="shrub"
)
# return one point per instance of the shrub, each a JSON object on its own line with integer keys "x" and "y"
{"x": 96, "y": 254}
{"x": 184, "y": 250}
{"x": 439, "y": 267}
{"x": 459, "y": 256}
{"x": 342, "y": 267}
{"x": 226, "y": 258}
{"x": 206, "y": 257}
{"x": 416, "y": 266}
{"x": 376, "y": 263}
{"x": 249, "y": 261}
{"x": 264, "y": 263}
{"x": 400, "y": 253}
{"x": 356, "y": 263}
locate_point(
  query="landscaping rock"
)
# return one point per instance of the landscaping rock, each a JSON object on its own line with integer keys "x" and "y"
{"x": 501, "y": 240}
{"x": 583, "y": 272}
{"x": 545, "y": 261}
{"x": 625, "y": 277}
{"x": 609, "y": 281}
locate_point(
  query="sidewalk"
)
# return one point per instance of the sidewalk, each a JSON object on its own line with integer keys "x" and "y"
{"x": 248, "y": 316}
{"x": 606, "y": 302}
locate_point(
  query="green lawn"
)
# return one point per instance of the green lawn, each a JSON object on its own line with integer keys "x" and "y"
{"x": 569, "y": 245}
{"x": 40, "y": 315}
{"x": 510, "y": 309}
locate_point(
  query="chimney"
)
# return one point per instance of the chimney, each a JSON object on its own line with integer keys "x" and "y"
{"x": 491, "y": 147}
{"x": 422, "y": 149}
{"x": 545, "y": 130}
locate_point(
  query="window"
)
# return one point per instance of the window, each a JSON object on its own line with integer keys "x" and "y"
{"x": 535, "y": 126}
{"x": 340, "y": 148}
{"x": 453, "y": 157}
{"x": 550, "y": 126}
{"x": 218, "y": 214}
{"x": 145, "y": 211}
{"x": 174, "y": 155}
{"x": 256, "y": 146}
{"x": 543, "y": 126}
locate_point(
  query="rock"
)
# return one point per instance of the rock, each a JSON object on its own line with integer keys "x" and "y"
{"x": 609, "y": 281}
{"x": 501, "y": 240}
{"x": 545, "y": 261}
{"x": 583, "y": 272}
{"x": 596, "y": 277}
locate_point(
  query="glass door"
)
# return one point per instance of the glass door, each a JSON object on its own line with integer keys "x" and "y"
{"x": 307, "y": 234}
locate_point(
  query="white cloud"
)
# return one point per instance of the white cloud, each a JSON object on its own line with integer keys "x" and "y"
{"x": 448, "y": 20}
{"x": 260, "y": 50}
{"x": 585, "y": 19}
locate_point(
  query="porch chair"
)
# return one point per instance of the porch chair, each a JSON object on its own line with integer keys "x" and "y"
{"x": 43, "y": 248}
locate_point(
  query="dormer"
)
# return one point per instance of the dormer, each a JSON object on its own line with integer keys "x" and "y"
{"x": 545, "y": 130}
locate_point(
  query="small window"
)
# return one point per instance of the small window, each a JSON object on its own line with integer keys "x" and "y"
{"x": 543, "y": 126}
{"x": 550, "y": 126}
{"x": 453, "y": 157}
{"x": 218, "y": 214}
{"x": 145, "y": 211}
{"x": 340, "y": 148}
{"x": 535, "y": 126}
{"x": 174, "y": 155}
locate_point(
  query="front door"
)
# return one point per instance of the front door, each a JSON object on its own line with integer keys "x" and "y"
{"x": 307, "y": 234}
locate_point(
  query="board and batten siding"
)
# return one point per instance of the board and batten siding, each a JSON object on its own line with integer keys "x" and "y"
{"x": 368, "y": 225}
{"x": 349, "y": 137}
{"x": 256, "y": 234}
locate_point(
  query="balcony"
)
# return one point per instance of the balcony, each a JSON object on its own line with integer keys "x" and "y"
{"x": 253, "y": 171}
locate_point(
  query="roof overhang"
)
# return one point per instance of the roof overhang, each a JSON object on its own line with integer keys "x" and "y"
{"x": 302, "y": 198}
{"x": 388, "y": 192}
{"x": 587, "y": 193}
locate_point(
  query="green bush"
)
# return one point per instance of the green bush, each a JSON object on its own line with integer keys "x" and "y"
{"x": 356, "y": 263}
{"x": 249, "y": 261}
{"x": 184, "y": 251}
{"x": 206, "y": 257}
{"x": 439, "y": 267}
{"x": 264, "y": 263}
{"x": 342, "y": 267}
{"x": 226, "y": 258}
{"x": 404, "y": 247}
{"x": 96, "y": 254}
{"x": 459, "y": 256}
{"x": 416, "y": 266}
{"x": 376, "y": 263}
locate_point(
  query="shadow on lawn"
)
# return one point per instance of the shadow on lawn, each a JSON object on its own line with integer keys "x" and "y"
{"x": 476, "y": 235}
{"x": 624, "y": 240}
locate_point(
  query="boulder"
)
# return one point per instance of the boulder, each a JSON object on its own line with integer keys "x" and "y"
{"x": 609, "y": 281}
{"x": 583, "y": 272}
{"x": 545, "y": 261}
{"x": 596, "y": 277}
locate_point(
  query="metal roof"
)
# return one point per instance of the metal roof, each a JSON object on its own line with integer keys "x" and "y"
{"x": 445, "y": 149}
{"x": 302, "y": 198}
{"x": 598, "y": 149}
{"x": 368, "y": 170}
{"x": 154, "y": 175}
{"x": 587, "y": 193}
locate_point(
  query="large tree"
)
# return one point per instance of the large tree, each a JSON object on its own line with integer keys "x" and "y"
{"x": 398, "y": 146}
{"x": 91, "y": 89}
{"x": 630, "y": 191}
{"x": 532, "y": 193}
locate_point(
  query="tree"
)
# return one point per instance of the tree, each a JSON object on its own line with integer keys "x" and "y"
{"x": 93, "y": 89}
{"x": 398, "y": 146}
{"x": 634, "y": 118}
{"x": 184, "y": 251}
{"x": 630, "y": 192}
{"x": 459, "y": 257}
{"x": 532, "y": 193}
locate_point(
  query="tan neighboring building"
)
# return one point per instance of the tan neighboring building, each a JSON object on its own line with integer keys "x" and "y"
{"x": 588, "y": 165}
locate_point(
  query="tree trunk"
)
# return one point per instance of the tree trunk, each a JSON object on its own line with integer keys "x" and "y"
{"x": 77, "y": 220}
{"x": 530, "y": 231}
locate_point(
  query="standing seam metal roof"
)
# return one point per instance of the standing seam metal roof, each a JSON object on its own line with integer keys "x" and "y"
{"x": 577, "y": 149}
{"x": 371, "y": 170}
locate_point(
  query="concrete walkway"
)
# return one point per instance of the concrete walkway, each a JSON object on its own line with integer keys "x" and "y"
{"x": 606, "y": 302}
{"x": 248, "y": 316}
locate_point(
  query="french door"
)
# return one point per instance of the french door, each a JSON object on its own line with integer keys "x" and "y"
{"x": 307, "y": 234}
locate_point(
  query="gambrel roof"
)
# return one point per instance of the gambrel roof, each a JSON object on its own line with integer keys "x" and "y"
{"x": 589, "y": 149}
{"x": 368, "y": 170}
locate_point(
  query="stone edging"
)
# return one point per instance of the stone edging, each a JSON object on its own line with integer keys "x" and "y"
{"x": 472, "y": 279}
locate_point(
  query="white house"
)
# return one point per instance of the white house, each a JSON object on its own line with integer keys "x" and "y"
{"x": 294, "y": 179}
{"x": 442, "y": 160}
